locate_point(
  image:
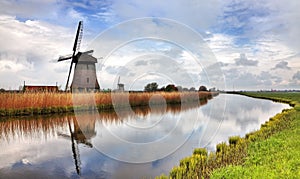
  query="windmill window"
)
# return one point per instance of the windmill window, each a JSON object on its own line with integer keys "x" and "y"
{"x": 87, "y": 80}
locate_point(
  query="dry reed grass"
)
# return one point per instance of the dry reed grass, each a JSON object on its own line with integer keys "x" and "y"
{"x": 47, "y": 102}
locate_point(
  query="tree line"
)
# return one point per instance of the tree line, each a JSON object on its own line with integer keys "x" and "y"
{"x": 152, "y": 87}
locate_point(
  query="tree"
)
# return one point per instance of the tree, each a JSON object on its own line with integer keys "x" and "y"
{"x": 202, "y": 88}
{"x": 162, "y": 88}
{"x": 185, "y": 89}
{"x": 171, "y": 88}
{"x": 179, "y": 88}
{"x": 192, "y": 89}
{"x": 151, "y": 87}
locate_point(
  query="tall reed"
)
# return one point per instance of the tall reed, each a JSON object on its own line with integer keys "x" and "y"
{"x": 49, "y": 102}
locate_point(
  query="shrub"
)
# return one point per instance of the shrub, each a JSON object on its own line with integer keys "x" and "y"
{"x": 200, "y": 151}
{"x": 234, "y": 140}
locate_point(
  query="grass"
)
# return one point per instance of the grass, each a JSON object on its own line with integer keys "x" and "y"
{"x": 271, "y": 152}
{"x": 277, "y": 156}
{"x": 20, "y": 104}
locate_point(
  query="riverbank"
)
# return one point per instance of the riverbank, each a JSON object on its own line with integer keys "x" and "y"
{"x": 271, "y": 151}
{"x": 24, "y": 104}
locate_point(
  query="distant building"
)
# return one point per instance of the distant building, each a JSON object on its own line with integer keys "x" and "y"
{"x": 31, "y": 88}
{"x": 121, "y": 87}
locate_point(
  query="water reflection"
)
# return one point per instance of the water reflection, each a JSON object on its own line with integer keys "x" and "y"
{"x": 82, "y": 132}
{"x": 27, "y": 134}
{"x": 43, "y": 127}
{"x": 65, "y": 146}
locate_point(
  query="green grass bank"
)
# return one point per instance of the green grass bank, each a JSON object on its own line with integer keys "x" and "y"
{"x": 273, "y": 151}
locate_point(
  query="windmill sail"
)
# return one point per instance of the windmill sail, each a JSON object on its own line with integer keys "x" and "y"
{"x": 90, "y": 52}
{"x": 75, "y": 48}
{"x": 78, "y": 37}
{"x": 66, "y": 57}
{"x": 85, "y": 71}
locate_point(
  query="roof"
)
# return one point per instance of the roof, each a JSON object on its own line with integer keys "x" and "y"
{"x": 85, "y": 58}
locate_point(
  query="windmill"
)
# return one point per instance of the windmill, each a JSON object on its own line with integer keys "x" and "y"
{"x": 120, "y": 85}
{"x": 84, "y": 78}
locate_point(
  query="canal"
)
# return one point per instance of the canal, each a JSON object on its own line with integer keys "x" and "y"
{"x": 134, "y": 143}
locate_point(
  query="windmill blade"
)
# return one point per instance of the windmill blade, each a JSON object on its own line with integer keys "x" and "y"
{"x": 63, "y": 58}
{"x": 69, "y": 75}
{"x": 88, "y": 52}
{"x": 75, "y": 150}
{"x": 76, "y": 46}
{"x": 64, "y": 135}
{"x": 88, "y": 144}
{"x": 78, "y": 37}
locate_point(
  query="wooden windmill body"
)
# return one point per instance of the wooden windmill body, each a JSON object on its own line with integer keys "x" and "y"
{"x": 84, "y": 78}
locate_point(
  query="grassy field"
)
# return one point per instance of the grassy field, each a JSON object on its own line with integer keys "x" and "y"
{"x": 19, "y": 104}
{"x": 277, "y": 156}
{"x": 271, "y": 152}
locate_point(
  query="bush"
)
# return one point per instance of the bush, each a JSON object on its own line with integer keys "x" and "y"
{"x": 202, "y": 88}
{"x": 171, "y": 88}
{"x": 200, "y": 151}
{"x": 234, "y": 140}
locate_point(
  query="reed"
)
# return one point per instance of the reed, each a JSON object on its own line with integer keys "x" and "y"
{"x": 19, "y": 104}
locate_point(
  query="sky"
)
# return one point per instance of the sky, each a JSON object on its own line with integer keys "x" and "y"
{"x": 230, "y": 45}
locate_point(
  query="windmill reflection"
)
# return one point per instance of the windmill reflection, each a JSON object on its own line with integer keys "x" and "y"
{"x": 82, "y": 130}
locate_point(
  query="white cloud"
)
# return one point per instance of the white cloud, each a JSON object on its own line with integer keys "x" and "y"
{"x": 243, "y": 61}
{"x": 170, "y": 50}
{"x": 198, "y": 14}
{"x": 296, "y": 76}
{"x": 266, "y": 31}
{"x": 27, "y": 49}
{"x": 29, "y": 8}
{"x": 282, "y": 65}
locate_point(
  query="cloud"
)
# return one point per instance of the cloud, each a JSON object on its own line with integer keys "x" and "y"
{"x": 243, "y": 61}
{"x": 28, "y": 49}
{"x": 28, "y": 9}
{"x": 237, "y": 79}
{"x": 250, "y": 21}
{"x": 141, "y": 63}
{"x": 282, "y": 65}
{"x": 296, "y": 76}
{"x": 180, "y": 10}
{"x": 36, "y": 32}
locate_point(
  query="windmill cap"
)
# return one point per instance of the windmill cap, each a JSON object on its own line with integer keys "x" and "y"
{"x": 85, "y": 58}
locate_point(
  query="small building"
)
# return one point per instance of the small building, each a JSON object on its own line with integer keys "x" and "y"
{"x": 33, "y": 88}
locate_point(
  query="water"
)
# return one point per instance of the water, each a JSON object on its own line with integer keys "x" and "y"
{"x": 143, "y": 142}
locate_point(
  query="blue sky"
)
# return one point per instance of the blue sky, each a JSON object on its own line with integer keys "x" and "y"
{"x": 255, "y": 44}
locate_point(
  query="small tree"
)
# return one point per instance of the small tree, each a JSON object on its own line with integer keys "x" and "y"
{"x": 192, "y": 89}
{"x": 202, "y": 88}
{"x": 171, "y": 88}
{"x": 179, "y": 88}
{"x": 162, "y": 88}
{"x": 151, "y": 87}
